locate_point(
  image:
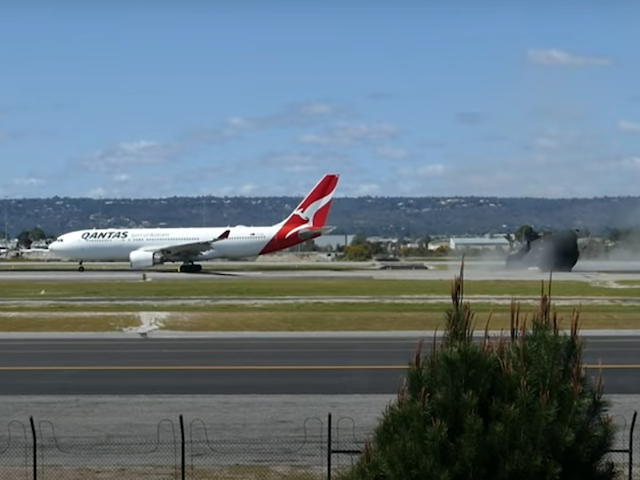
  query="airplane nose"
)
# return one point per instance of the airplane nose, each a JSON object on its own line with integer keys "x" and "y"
{"x": 55, "y": 246}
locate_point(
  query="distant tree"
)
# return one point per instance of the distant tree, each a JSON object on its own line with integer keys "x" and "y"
{"x": 357, "y": 253}
{"x": 37, "y": 234}
{"x": 309, "y": 246}
{"x": 424, "y": 242}
{"x": 359, "y": 240}
{"x": 518, "y": 407}
{"x": 525, "y": 233}
{"x": 615, "y": 235}
{"x": 24, "y": 239}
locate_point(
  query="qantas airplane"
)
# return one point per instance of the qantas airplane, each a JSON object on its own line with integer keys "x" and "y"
{"x": 143, "y": 248}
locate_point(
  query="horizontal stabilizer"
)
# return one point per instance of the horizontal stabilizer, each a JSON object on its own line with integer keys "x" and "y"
{"x": 311, "y": 232}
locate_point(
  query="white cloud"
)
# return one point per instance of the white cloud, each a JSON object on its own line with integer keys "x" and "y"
{"x": 392, "y": 153}
{"x": 565, "y": 146}
{"x": 97, "y": 192}
{"x": 564, "y": 59}
{"x": 121, "y": 177}
{"x": 130, "y": 154}
{"x": 630, "y": 127}
{"x": 294, "y": 116}
{"x": 301, "y": 162}
{"x": 423, "y": 171}
{"x": 630, "y": 163}
{"x": 316, "y": 109}
{"x": 28, "y": 181}
{"x": 431, "y": 170}
{"x": 362, "y": 189}
{"x": 352, "y": 134}
{"x": 546, "y": 142}
{"x": 248, "y": 189}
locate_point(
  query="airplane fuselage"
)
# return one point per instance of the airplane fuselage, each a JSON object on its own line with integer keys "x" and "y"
{"x": 117, "y": 244}
{"x": 146, "y": 247}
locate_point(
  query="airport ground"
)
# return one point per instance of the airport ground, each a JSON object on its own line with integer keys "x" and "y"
{"x": 261, "y": 384}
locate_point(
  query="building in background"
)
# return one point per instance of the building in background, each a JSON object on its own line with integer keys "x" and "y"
{"x": 478, "y": 243}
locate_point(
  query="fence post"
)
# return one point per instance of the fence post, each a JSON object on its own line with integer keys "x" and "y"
{"x": 182, "y": 455}
{"x": 329, "y": 446}
{"x": 631, "y": 431}
{"x": 35, "y": 448}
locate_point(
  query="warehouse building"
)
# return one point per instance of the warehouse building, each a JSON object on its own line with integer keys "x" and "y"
{"x": 480, "y": 243}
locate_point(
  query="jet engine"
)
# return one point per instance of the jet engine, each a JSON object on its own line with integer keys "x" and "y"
{"x": 556, "y": 252}
{"x": 139, "y": 259}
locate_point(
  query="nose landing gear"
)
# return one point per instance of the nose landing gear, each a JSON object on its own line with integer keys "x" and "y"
{"x": 80, "y": 267}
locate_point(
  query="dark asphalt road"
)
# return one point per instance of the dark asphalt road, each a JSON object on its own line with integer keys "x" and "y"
{"x": 269, "y": 366}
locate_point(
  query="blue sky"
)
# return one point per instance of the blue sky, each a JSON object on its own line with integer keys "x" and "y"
{"x": 258, "y": 98}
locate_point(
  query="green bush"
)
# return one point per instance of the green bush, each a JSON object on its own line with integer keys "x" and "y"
{"x": 516, "y": 406}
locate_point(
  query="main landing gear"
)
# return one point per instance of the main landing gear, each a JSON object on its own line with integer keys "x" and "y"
{"x": 190, "y": 267}
{"x": 80, "y": 267}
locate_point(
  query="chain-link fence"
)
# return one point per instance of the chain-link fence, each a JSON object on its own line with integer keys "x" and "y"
{"x": 190, "y": 449}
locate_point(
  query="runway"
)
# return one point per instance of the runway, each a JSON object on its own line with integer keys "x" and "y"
{"x": 587, "y": 271}
{"x": 329, "y": 366}
{"x": 418, "y": 275}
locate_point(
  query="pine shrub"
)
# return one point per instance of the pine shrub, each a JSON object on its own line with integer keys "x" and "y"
{"x": 515, "y": 406}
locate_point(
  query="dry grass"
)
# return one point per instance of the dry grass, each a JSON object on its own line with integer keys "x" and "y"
{"x": 171, "y": 472}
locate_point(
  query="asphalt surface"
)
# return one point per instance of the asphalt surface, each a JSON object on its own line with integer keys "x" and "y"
{"x": 244, "y": 366}
{"x": 587, "y": 271}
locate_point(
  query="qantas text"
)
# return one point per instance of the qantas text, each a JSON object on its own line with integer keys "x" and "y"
{"x": 111, "y": 234}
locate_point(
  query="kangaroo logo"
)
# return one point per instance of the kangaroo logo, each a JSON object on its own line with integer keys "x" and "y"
{"x": 307, "y": 214}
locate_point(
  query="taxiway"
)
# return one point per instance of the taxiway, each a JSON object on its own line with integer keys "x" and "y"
{"x": 329, "y": 366}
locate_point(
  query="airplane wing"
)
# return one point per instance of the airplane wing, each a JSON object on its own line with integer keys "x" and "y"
{"x": 183, "y": 251}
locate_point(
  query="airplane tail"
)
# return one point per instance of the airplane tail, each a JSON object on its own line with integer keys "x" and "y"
{"x": 314, "y": 208}
{"x": 308, "y": 220}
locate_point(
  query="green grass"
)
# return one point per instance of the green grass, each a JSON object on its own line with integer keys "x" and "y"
{"x": 268, "y": 321}
{"x": 292, "y": 287}
{"x": 298, "y": 307}
{"x": 39, "y": 322}
{"x": 308, "y": 317}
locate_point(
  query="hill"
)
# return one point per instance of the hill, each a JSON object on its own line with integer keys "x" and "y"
{"x": 362, "y": 215}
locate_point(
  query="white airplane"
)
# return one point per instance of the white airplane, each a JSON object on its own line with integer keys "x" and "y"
{"x": 145, "y": 247}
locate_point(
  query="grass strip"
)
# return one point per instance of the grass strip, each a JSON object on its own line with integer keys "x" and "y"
{"x": 270, "y": 287}
{"x": 304, "y": 318}
{"x": 302, "y": 307}
{"x": 366, "y": 321}
{"x": 39, "y": 322}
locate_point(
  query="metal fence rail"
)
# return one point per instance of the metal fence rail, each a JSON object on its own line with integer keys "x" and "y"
{"x": 191, "y": 450}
